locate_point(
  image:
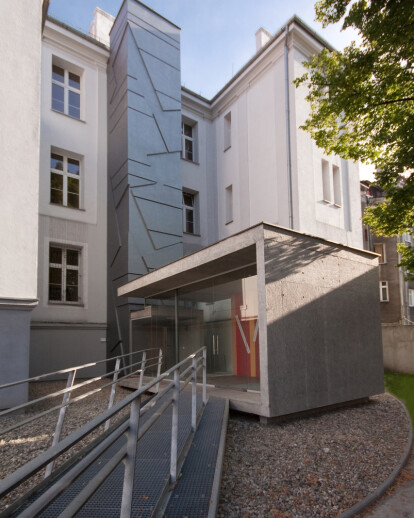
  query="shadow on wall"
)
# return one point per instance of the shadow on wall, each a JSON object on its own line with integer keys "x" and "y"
{"x": 288, "y": 255}
{"x": 324, "y": 342}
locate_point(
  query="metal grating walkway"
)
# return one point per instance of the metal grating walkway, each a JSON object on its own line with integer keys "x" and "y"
{"x": 151, "y": 482}
{"x": 192, "y": 494}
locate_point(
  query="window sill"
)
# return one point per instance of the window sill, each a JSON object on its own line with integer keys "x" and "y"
{"x": 337, "y": 206}
{"x": 228, "y": 222}
{"x": 66, "y": 304}
{"x": 66, "y": 207}
{"x": 191, "y": 234}
{"x": 69, "y": 116}
{"x": 190, "y": 161}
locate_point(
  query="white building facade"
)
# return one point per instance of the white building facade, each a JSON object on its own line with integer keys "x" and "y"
{"x": 235, "y": 160}
{"x": 69, "y": 323}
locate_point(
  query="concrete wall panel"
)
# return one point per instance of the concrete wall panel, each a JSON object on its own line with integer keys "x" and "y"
{"x": 321, "y": 351}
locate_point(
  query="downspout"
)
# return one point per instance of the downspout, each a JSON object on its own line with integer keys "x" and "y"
{"x": 289, "y": 151}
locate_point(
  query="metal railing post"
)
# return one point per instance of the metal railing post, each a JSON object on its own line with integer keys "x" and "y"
{"x": 61, "y": 418}
{"x": 194, "y": 397}
{"x": 204, "y": 376}
{"x": 157, "y": 386}
{"x": 143, "y": 363}
{"x": 130, "y": 458}
{"x": 174, "y": 427}
{"x": 113, "y": 388}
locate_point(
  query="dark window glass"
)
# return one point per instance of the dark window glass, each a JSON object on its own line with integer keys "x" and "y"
{"x": 72, "y": 257}
{"x": 188, "y": 199}
{"x": 73, "y": 166}
{"x": 58, "y": 95}
{"x": 189, "y": 149}
{"x": 74, "y": 80}
{"x": 73, "y": 200}
{"x": 72, "y": 294}
{"x": 55, "y": 255}
{"x": 188, "y": 130}
{"x": 189, "y": 223}
{"x": 58, "y": 74}
{"x": 56, "y": 161}
{"x": 74, "y": 104}
{"x": 56, "y": 188}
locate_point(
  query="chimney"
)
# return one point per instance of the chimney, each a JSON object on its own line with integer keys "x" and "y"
{"x": 262, "y": 37}
{"x": 101, "y": 26}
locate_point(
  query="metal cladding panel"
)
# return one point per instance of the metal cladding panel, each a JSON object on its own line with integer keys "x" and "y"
{"x": 144, "y": 140}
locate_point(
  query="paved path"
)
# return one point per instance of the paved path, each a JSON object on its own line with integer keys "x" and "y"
{"x": 398, "y": 502}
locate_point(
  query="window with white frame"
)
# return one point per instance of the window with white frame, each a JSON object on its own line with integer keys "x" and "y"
{"x": 64, "y": 274}
{"x": 383, "y": 287}
{"x": 336, "y": 180}
{"x": 189, "y": 140}
{"x": 227, "y": 131}
{"x": 229, "y": 204}
{"x": 66, "y": 91}
{"x": 379, "y": 248}
{"x": 64, "y": 180}
{"x": 326, "y": 182}
{"x": 190, "y": 212}
{"x": 411, "y": 297}
{"x": 331, "y": 184}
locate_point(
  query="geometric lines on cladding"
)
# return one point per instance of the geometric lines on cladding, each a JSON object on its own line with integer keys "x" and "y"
{"x": 161, "y": 232}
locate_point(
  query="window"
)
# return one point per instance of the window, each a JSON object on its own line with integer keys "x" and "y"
{"x": 190, "y": 212}
{"x": 65, "y": 91}
{"x": 326, "y": 182}
{"x": 227, "y": 131}
{"x": 379, "y": 249}
{"x": 336, "y": 177}
{"x": 187, "y": 144}
{"x": 331, "y": 184}
{"x": 411, "y": 298}
{"x": 64, "y": 180}
{"x": 64, "y": 263}
{"x": 229, "y": 204}
{"x": 384, "y": 291}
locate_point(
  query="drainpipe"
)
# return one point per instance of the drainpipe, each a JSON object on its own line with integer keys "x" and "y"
{"x": 287, "y": 107}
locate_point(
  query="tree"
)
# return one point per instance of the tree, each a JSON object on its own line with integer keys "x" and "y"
{"x": 362, "y": 103}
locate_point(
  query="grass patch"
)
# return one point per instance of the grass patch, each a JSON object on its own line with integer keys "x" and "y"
{"x": 401, "y": 386}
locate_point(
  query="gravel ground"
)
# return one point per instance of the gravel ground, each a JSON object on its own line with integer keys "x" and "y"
{"x": 308, "y": 467}
{"x": 27, "y": 442}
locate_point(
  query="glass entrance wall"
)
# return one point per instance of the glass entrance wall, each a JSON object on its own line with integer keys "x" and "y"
{"x": 219, "y": 313}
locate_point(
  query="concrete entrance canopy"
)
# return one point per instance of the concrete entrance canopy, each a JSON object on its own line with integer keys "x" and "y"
{"x": 316, "y": 312}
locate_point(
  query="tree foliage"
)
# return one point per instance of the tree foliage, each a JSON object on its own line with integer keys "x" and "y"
{"x": 362, "y": 102}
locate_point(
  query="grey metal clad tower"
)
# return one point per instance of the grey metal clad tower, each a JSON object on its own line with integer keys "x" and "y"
{"x": 144, "y": 142}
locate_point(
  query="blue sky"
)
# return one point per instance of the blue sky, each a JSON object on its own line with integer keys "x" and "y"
{"x": 217, "y": 36}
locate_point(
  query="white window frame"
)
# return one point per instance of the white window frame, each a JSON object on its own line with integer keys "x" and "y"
{"x": 190, "y": 209}
{"x": 67, "y": 87}
{"x": 64, "y": 267}
{"x": 331, "y": 183}
{"x": 383, "y": 291}
{"x": 229, "y": 204}
{"x": 410, "y": 297}
{"x": 66, "y": 175}
{"x": 382, "y": 259}
{"x": 193, "y": 139}
{"x": 227, "y": 131}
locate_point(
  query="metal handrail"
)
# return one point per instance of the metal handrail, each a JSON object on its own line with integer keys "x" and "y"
{"x": 76, "y": 367}
{"x": 74, "y": 387}
{"x": 134, "y": 432}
